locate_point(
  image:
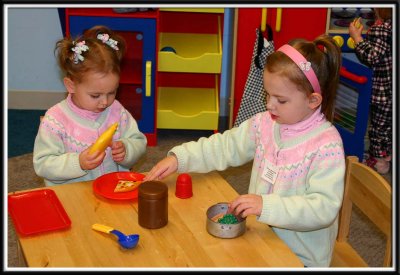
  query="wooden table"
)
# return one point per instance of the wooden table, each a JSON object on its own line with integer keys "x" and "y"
{"x": 183, "y": 242}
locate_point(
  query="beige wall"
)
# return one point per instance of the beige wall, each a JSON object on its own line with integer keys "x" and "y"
{"x": 33, "y": 100}
{"x": 32, "y": 33}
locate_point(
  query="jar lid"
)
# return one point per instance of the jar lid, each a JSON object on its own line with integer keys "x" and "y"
{"x": 153, "y": 190}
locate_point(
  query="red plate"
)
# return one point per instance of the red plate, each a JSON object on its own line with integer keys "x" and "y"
{"x": 37, "y": 211}
{"x": 105, "y": 185}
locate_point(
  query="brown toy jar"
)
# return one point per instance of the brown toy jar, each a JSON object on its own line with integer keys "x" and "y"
{"x": 153, "y": 204}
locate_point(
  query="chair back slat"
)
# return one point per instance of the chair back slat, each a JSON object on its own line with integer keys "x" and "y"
{"x": 372, "y": 194}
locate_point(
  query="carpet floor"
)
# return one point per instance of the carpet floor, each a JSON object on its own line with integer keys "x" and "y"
{"x": 366, "y": 239}
{"x": 22, "y": 130}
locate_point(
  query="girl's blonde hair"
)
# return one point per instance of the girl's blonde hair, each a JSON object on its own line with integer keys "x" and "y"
{"x": 99, "y": 57}
{"x": 325, "y": 57}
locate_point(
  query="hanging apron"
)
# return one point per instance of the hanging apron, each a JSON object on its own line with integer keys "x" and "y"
{"x": 253, "y": 99}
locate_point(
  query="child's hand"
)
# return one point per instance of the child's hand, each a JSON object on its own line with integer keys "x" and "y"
{"x": 355, "y": 30}
{"x": 90, "y": 161}
{"x": 118, "y": 151}
{"x": 163, "y": 168}
{"x": 244, "y": 205}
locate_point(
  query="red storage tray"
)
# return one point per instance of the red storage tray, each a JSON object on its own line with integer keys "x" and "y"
{"x": 37, "y": 211}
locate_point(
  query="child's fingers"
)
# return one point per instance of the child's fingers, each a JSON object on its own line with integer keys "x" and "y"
{"x": 118, "y": 157}
{"x": 153, "y": 174}
{"x": 118, "y": 151}
{"x": 235, "y": 204}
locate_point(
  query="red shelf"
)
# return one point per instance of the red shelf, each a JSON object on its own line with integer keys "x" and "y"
{"x": 199, "y": 22}
{"x": 109, "y": 12}
{"x": 168, "y": 79}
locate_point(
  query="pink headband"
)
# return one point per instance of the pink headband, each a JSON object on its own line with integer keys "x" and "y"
{"x": 304, "y": 65}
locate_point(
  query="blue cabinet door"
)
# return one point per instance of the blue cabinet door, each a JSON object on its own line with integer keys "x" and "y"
{"x": 352, "y": 105}
{"x": 145, "y": 30}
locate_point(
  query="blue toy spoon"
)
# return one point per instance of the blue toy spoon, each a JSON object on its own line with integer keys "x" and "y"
{"x": 126, "y": 241}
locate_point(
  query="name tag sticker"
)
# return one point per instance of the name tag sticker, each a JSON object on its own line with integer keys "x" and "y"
{"x": 270, "y": 173}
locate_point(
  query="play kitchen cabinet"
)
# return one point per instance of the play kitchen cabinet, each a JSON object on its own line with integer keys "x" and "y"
{"x": 189, "y": 67}
{"x": 286, "y": 23}
{"x": 137, "y": 83}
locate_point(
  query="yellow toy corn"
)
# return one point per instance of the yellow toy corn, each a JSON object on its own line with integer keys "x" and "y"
{"x": 357, "y": 22}
{"x": 104, "y": 140}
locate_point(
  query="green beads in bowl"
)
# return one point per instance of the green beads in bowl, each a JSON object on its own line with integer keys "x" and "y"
{"x": 228, "y": 219}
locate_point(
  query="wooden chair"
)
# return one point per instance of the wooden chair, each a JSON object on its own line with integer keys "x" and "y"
{"x": 371, "y": 193}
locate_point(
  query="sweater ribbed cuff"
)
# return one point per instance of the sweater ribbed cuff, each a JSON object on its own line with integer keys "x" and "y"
{"x": 266, "y": 214}
{"x": 181, "y": 163}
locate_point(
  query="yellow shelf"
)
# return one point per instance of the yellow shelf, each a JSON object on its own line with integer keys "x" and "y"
{"x": 207, "y": 10}
{"x": 195, "y": 53}
{"x": 188, "y": 108}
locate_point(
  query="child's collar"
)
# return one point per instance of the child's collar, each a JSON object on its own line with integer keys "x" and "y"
{"x": 290, "y": 130}
{"x": 81, "y": 112}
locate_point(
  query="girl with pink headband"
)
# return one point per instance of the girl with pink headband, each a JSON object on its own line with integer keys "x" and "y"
{"x": 297, "y": 178}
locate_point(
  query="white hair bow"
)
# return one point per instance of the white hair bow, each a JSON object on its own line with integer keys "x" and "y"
{"x": 105, "y": 38}
{"x": 78, "y": 49}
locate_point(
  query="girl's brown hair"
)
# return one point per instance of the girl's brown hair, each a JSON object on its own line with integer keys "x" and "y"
{"x": 384, "y": 13}
{"x": 100, "y": 57}
{"x": 325, "y": 57}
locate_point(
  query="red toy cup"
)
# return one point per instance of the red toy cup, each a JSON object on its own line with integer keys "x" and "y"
{"x": 184, "y": 186}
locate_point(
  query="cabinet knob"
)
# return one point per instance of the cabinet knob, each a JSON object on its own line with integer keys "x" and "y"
{"x": 139, "y": 36}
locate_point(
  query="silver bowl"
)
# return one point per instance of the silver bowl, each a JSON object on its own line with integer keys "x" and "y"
{"x": 225, "y": 231}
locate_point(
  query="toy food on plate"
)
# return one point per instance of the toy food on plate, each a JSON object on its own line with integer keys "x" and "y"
{"x": 104, "y": 139}
{"x": 126, "y": 185}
